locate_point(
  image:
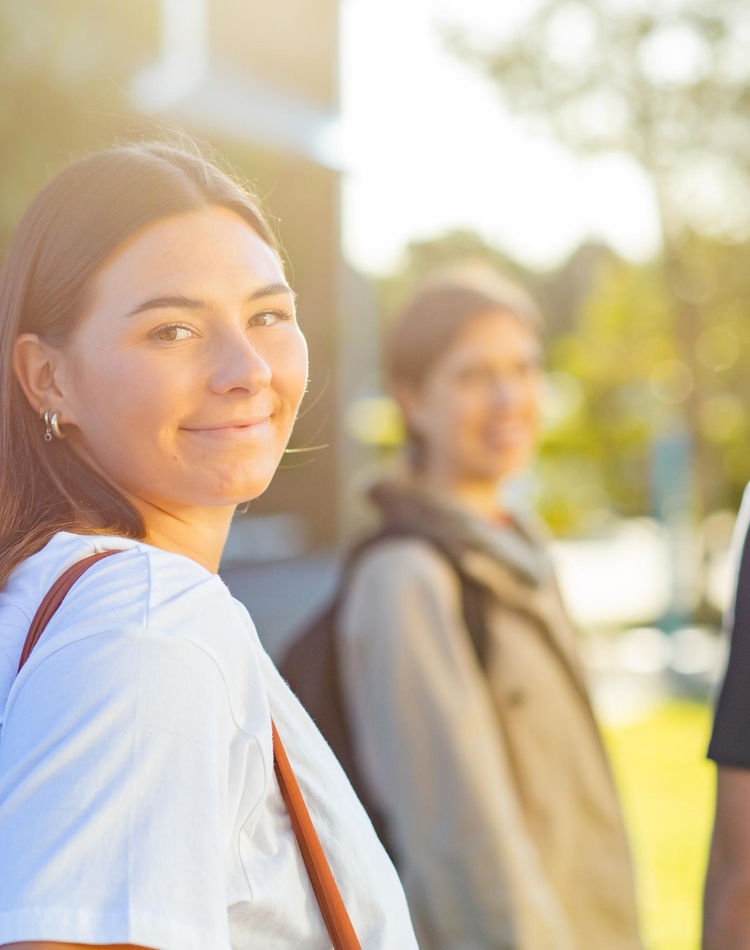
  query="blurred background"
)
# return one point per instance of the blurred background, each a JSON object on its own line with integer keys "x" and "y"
{"x": 597, "y": 151}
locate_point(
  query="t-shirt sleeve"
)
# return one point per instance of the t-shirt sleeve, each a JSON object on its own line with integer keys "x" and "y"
{"x": 113, "y": 811}
{"x": 730, "y": 740}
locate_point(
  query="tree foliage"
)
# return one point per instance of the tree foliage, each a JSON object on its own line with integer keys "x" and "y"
{"x": 621, "y": 383}
{"x": 666, "y": 82}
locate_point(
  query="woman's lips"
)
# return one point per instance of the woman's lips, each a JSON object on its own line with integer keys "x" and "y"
{"x": 230, "y": 430}
{"x": 507, "y": 435}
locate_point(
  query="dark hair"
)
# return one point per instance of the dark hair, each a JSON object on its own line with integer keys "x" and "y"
{"x": 73, "y": 225}
{"x": 433, "y": 318}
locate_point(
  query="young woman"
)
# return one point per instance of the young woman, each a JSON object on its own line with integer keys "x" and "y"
{"x": 473, "y": 727}
{"x": 151, "y": 369}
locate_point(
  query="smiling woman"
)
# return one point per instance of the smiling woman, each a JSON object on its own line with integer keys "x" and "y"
{"x": 151, "y": 369}
{"x": 188, "y": 347}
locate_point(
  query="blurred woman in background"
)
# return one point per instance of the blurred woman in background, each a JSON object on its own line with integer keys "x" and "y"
{"x": 473, "y": 729}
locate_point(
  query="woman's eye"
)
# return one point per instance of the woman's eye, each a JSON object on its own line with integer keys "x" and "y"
{"x": 476, "y": 375}
{"x": 531, "y": 367}
{"x": 172, "y": 333}
{"x": 267, "y": 318}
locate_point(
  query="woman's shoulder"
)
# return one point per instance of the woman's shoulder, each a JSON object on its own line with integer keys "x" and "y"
{"x": 139, "y": 584}
{"x": 138, "y": 596}
{"x": 140, "y": 590}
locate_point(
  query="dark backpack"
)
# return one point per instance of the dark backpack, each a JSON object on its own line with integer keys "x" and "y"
{"x": 311, "y": 665}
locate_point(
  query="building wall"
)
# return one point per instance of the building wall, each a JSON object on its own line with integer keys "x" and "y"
{"x": 292, "y": 44}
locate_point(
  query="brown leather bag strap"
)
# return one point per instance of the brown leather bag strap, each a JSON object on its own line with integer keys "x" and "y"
{"x": 329, "y": 897}
{"x": 54, "y": 597}
{"x": 326, "y": 890}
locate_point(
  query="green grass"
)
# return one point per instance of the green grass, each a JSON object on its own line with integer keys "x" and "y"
{"x": 667, "y": 790}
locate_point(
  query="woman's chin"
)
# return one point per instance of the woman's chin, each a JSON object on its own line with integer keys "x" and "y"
{"x": 497, "y": 468}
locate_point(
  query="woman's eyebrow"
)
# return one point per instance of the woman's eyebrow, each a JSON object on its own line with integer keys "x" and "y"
{"x": 272, "y": 290}
{"x": 178, "y": 301}
{"x": 181, "y": 302}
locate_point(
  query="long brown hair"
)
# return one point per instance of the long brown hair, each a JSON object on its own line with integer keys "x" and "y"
{"x": 75, "y": 222}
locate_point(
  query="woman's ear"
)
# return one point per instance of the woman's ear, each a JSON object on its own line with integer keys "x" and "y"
{"x": 411, "y": 403}
{"x": 35, "y": 366}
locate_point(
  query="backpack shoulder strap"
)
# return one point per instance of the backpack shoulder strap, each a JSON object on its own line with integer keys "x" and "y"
{"x": 474, "y": 608}
{"x": 473, "y": 594}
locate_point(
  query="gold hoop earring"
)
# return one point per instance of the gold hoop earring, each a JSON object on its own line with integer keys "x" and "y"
{"x": 52, "y": 422}
{"x": 46, "y": 421}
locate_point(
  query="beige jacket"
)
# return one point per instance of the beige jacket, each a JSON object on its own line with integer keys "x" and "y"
{"x": 495, "y": 786}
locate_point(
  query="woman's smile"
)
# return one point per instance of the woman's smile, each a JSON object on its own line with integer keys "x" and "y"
{"x": 232, "y": 431}
{"x": 505, "y": 434}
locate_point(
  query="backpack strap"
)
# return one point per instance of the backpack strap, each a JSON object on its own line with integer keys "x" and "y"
{"x": 330, "y": 901}
{"x": 311, "y": 665}
{"x": 473, "y": 593}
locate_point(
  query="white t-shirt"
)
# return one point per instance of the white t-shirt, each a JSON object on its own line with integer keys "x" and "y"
{"x": 138, "y": 802}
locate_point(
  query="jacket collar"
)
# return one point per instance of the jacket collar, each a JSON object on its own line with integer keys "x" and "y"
{"x": 409, "y": 506}
{"x": 507, "y": 559}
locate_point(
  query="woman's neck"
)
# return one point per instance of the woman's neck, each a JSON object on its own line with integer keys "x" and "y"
{"x": 199, "y": 535}
{"x": 480, "y": 496}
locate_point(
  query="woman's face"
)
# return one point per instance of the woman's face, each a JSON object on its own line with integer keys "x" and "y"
{"x": 478, "y": 410}
{"x": 183, "y": 380}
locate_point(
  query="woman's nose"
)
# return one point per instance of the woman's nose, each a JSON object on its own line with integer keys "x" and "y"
{"x": 237, "y": 364}
{"x": 506, "y": 393}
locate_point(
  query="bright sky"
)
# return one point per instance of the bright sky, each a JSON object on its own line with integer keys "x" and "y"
{"x": 430, "y": 147}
